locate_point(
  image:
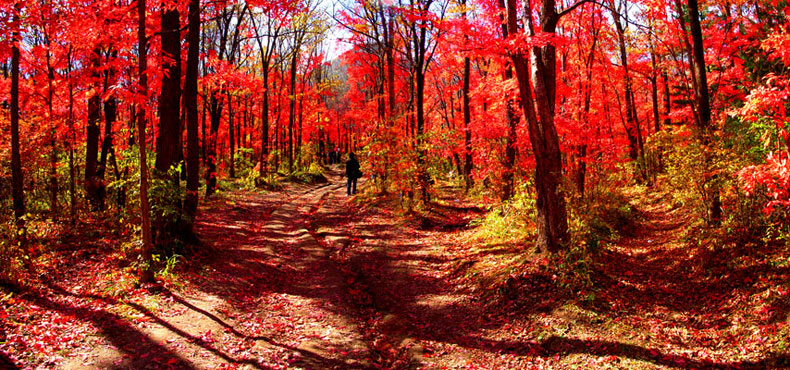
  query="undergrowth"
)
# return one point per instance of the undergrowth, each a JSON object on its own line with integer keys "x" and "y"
{"x": 504, "y": 263}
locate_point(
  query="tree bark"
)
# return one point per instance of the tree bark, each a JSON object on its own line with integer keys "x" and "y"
{"x": 231, "y": 136}
{"x": 72, "y": 140}
{"x": 654, "y": 83}
{"x": 552, "y": 218}
{"x": 169, "y": 139}
{"x": 667, "y": 102}
{"x": 512, "y": 123}
{"x": 266, "y": 54}
{"x": 585, "y": 87}
{"x": 53, "y": 154}
{"x": 215, "y": 113}
{"x": 147, "y": 271}
{"x": 703, "y": 109}
{"x": 632, "y": 128}
{"x": 17, "y": 191}
{"x": 110, "y": 116}
{"x": 92, "y": 138}
{"x": 467, "y": 115}
{"x": 292, "y": 105}
{"x": 190, "y": 105}
{"x": 168, "y": 143}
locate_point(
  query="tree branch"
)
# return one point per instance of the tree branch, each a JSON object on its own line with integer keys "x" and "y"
{"x": 572, "y": 7}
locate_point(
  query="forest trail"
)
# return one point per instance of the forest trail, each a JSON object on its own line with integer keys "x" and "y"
{"x": 307, "y": 278}
{"x": 301, "y": 279}
{"x": 267, "y": 297}
{"x": 651, "y": 263}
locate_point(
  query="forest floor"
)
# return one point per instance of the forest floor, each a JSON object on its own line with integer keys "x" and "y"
{"x": 308, "y": 278}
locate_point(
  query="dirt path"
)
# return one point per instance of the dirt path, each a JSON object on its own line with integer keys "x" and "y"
{"x": 309, "y": 279}
{"x": 268, "y": 297}
{"x": 666, "y": 303}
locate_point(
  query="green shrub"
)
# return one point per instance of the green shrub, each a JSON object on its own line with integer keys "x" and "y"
{"x": 602, "y": 215}
{"x": 512, "y": 221}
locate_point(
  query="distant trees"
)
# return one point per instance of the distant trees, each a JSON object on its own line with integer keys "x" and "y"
{"x": 87, "y": 65}
{"x": 427, "y": 91}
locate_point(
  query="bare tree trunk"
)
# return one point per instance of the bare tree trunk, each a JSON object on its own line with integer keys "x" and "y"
{"x": 72, "y": 140}
{"x": 584, "y": 115}
{"x": 215, "y": 112}
{"x": 92, "y": 139}
{"x": 552, "y": 220}
{"x": 632, "y": 127}
{"x": 147, "y": 272}
{"x": 53, "y": 156}
{"x": 264, "y": 123}
{"x": 667, "y": 102}
{"x": 169, "y": 139}
{"x": 512, "y": 124}
{"x": 390, "y": 46}
{"x": 467, "y": 116}
{"x": 689, "y": 54}
{"x": 231, "y": 137}
{"x": 110, "y": 116}
{"x": 654, "y": 84}
{"x": 703, "y": 107}
{"x": 190, "y": 105}
{"x": 168, "y": 143}
{"x": 17, "y": 191}
{"x": 292, "y": 107}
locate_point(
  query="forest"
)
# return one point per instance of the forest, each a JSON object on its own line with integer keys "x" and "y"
{"x": 558, "y": 185}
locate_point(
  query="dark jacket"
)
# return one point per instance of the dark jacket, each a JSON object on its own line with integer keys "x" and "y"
{"x": 352, "y": 169}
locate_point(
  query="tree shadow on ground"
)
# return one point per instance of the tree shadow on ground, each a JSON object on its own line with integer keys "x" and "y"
{"x": 652, "y": 280}
{"x": 6, "y": 362}
{"x": 132, "y": 334}
{"x": 127, "y": 338}
{"x": 403, "y": 280}
{"x": 602, "y": 348}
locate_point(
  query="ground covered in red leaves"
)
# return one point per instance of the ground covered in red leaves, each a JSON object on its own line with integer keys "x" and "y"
{"x": 308, "y": 278}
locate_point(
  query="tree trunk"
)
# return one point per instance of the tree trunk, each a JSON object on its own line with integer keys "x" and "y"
{"x": 203, "y": 136}
{"x": 190, "y": 105}
{"x": 72, "y": 140}
{"x": 292, "y": 107}
{"x": 703, "y": 108}
{"x": 467, "y": 129}
{"x": 667, "y": 102}
{"x": 17, "y": 192}
{"x": 552, "y": 218}
{"x": 147, "y": 271}
{"x": 689, "y": 54}
{"x": 241, "y": 127}
{"x": 512, "y": 124}
{"x": 264, "y": 123}
{"x": 231, "y": 136}
{"x": 632, "y": 125}
{"x": 110, "y": 116}
{"x": 390, "y": 41}
{"x": 299, "y": 125}
{"x": 168, "y": 143}
{"x": 53, "y": 156}
{"x": 169, "y": 139}
{"x": 421, "y": 151}
{"x": 92, "y": 139}
{"x": 584, "y": 114}
{"x": 215, "y": 112}
{"x": 654, "y": 84}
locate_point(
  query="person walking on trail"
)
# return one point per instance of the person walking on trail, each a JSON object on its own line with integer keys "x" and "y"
{"x": 352, "y": 174}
